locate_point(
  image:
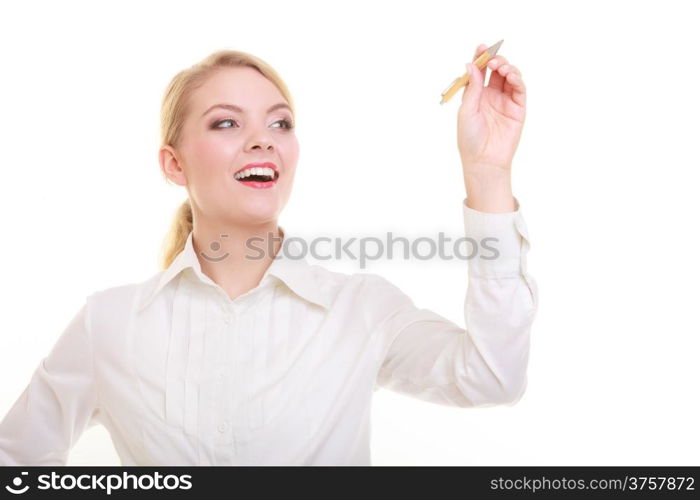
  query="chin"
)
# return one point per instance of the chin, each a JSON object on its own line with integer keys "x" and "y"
{"x": 258, "y": 212}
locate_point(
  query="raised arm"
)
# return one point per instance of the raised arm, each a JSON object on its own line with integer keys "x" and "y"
{"x": 426, "y": 356}
{"x": 57, "y": 405}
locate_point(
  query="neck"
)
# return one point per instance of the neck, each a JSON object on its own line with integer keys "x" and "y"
{"x": 237, "y": 261}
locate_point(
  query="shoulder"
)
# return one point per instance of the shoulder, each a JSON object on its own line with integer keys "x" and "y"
{"x": 334, "y": 283}
{"x": 119, "y": 300}
{"x": 372, "y": 293}
{"x": 341, "y": 279}
{"x": 384, "y": 295}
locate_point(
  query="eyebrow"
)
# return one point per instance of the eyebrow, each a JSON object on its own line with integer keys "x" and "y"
{"x": 238, "y": 109}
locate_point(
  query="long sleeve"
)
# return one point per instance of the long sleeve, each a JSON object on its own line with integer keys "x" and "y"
{"x": 426, "y": 356}
{"x": 57, "y": 405}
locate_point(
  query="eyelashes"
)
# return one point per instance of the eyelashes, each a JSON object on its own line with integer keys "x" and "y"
{"x": 286, "y": 124}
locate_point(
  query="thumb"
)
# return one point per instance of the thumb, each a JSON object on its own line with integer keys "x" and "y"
{"x": 471, "y": 97}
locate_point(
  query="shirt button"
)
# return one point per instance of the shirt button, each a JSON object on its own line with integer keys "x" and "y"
{"x": 222, "y": 427}
{"x": 227, "y": 319}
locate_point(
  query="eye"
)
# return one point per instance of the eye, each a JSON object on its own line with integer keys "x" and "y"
{"x": 216, "y": 124}
{"x": 286, "y": 124}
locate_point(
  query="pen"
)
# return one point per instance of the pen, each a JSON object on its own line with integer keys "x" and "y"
{"x": 480, "y": 62}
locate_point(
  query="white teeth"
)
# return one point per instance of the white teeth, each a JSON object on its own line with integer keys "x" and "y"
{"x": 255, "y": 171}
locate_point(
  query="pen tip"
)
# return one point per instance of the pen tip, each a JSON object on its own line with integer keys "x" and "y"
{"x": 494, "y": 48}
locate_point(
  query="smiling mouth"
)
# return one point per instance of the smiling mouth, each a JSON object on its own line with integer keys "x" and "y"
{"x": 258, "y": 177}
{"x": 258, "y": 180}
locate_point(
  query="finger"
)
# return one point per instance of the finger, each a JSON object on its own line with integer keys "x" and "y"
{"x": 512, "y": 81}
{"x": 515, "y": 87}
{"x": 497, "y": 79}
{"x": 496, "y": 61}
{"x": 501, "y": 69}
{"x": 471, "y": 97}
{"x": 504, "y": 67}
{"x": 480, "y": 50}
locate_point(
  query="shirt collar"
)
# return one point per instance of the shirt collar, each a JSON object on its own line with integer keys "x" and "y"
{"x": 295, "y": 272}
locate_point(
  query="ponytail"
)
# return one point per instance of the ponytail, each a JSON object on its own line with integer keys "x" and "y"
{"x": 180, "y": 229}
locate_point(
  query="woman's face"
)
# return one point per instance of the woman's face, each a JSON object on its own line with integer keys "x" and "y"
{"x": 217, "y": 142}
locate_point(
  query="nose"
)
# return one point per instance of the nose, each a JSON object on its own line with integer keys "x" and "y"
{"x": 259, "y": 140}
{"x": 262, "y": 145}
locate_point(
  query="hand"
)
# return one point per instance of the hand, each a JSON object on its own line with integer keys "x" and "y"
{"x": 490, "y": 122}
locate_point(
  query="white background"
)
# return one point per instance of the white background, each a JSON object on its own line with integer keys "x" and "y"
{"x": 606, "y": 174}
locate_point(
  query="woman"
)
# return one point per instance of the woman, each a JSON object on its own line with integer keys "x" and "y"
{"x": 224, "y": 359}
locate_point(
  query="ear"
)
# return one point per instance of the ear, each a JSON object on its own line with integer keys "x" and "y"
{"x": 170, "y": 166}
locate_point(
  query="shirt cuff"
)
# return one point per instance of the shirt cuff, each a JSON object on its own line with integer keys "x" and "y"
{"x": 497, "y": 243}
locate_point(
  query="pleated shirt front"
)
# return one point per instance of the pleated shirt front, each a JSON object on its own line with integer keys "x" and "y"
{"x": 180, "y": 374}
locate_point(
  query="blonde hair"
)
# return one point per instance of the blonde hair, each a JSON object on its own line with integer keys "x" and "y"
{"x": 173, "y": 112}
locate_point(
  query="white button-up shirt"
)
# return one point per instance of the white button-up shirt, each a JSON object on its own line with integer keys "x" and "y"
{"x": 180, "y": 374}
